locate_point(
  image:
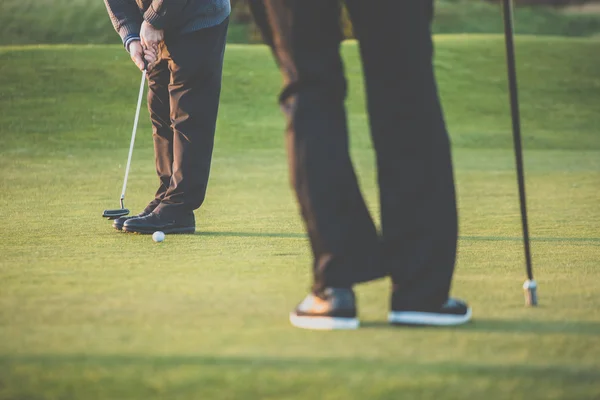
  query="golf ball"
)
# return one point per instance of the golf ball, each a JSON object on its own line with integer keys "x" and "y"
{"x": 158, "y": 236}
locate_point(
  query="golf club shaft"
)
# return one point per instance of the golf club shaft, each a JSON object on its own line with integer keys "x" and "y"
{"x": 135, "y": 124}
{"x": 516, "y": 125}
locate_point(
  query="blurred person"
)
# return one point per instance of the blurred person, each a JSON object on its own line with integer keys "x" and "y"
{"x": 418, "y": 239}
{"x": 181, "y": 43}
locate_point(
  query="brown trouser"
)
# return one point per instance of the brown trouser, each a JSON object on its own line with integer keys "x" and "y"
{"x": 183, "y": 99}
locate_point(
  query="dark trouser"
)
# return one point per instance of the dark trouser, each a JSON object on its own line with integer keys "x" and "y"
{"x": 183, "y": 99}
{"x": 417, "y": 246}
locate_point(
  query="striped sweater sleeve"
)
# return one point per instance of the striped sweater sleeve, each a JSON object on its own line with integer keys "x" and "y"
{"x": 126, "y": 18}
{"x": 161, "y": 12}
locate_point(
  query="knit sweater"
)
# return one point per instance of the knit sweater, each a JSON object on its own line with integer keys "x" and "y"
{"x": 181, "y": 16}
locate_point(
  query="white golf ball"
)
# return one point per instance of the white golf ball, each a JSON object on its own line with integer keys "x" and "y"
{"x": 158, "y": 236}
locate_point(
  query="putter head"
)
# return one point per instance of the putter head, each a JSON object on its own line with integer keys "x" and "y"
{"x": 114, "y": 214}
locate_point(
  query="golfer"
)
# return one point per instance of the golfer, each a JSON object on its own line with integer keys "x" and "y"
{"x": 182, "y": 43}
{"x": 417, "y": 243}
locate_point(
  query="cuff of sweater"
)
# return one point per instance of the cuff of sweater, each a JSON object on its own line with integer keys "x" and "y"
{"x": 155, "y": 19}
{"x": 128, "y": 39}
{"x": 128, "y": 30}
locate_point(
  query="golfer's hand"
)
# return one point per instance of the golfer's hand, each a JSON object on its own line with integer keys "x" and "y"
{"x": 136, "y": 51}
{"x": 151, "y": 58}
{"x": 151, "y": 37}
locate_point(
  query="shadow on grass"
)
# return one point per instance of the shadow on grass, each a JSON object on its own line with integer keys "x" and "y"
{"x": 311, "y": 365}
{"x": 533, "y": 239}
{"x": 117, "y": 376}
{"x": 254, "y": 234}
{"x": 292, "y": 235}
{"x": 506, "y": 326}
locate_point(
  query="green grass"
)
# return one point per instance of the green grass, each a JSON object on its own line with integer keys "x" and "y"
{"x": 86, "y": 312}
{"x": 86, "y": 21}
{"x": 477, "y": 16}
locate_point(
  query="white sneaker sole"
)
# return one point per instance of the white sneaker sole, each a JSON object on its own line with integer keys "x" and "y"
{"x": 323, "y": 323}
{"x": 425, "y": 318}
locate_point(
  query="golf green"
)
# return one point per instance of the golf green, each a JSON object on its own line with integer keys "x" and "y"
{"x": 87, "y": 312}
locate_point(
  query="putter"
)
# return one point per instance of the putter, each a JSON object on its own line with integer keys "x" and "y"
{"x": 121, "y": 212}
{"x": 530, "y": 286}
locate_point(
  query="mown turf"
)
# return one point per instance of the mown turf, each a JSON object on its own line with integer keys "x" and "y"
{"x": 86, "y": 21}
{"x": 86, "y": 312}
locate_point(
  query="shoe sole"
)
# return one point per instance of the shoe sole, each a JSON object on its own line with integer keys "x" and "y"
{"x": 165, "y": 231}
{"x": 118, "y": 227}
{"x": 425, "y": 318}
{"x": 324, "y": 323}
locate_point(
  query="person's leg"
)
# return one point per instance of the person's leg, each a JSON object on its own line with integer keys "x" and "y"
{"x": 162, "y": 134}
{"x": 418, "y": 207}
{"x": 196, "y": 63}
{"x": 305, "y": 37}
{"x": 158, "y": 107}
{"x": 261, "y": 19}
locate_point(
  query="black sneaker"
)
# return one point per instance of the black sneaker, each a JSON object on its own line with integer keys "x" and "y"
{"x": 452, "y": 312}
{"x": 181, "y": 223}
{"x": 335, "y": 308}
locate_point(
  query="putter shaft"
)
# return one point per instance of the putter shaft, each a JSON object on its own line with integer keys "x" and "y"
{"x": 135, "y": 124}
{"x": 530, "y": 286}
